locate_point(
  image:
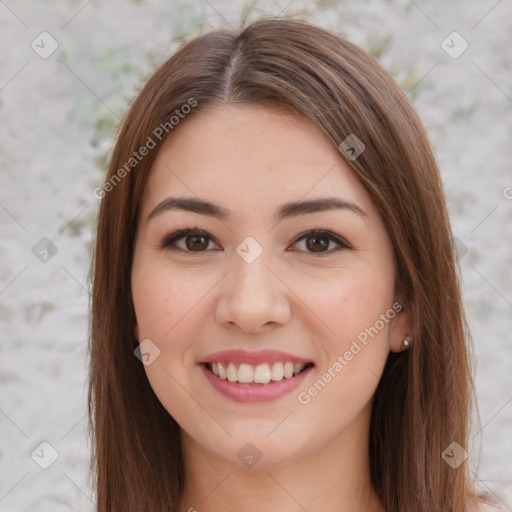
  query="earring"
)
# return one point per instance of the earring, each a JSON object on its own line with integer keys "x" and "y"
{"x": 406, "y": 343}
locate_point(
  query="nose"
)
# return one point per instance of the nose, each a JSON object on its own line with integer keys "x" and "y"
{"x": 253, "y": 298}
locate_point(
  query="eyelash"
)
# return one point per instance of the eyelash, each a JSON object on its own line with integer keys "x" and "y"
{"x": 172, "y": 238}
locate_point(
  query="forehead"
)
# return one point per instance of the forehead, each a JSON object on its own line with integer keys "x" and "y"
{"x": 254, "y": 156}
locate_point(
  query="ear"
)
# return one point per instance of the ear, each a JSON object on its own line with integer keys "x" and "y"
{"x": 401, "y": 327}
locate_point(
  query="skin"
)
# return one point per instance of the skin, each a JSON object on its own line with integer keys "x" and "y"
{"x": 251, "y": 160}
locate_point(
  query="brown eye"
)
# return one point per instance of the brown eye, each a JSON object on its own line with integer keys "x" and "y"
{"x": 319, "y": 242}
{"x": 187, "y": 240}
{"x": 196, "y": 242}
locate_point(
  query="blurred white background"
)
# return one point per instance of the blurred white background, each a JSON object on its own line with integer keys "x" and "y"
{"x": 62, "y": 94}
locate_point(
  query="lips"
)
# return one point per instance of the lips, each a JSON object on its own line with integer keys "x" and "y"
{"x": 246, "y": 376}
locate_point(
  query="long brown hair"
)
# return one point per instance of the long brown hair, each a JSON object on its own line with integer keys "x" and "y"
{"x": 425, "y": 395}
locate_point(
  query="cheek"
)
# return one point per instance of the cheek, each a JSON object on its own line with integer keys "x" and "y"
{"x": 171, "y": 307}
{"x": 349, "y": 300}
{"x": 167, "y": 304}
{"x": 355, "y": 305}
{"x": 353, "y": 357}
{"x": 163, "y": 300}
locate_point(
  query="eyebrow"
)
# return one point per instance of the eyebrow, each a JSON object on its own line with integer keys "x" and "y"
{"x": 287, "y": 210}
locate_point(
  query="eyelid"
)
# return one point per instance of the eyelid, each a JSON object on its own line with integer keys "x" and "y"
{"x": 174, "y": 236}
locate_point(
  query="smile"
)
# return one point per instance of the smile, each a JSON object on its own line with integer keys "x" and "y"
{"x": 264, "y": 373}
{"x": 253, "y": 391}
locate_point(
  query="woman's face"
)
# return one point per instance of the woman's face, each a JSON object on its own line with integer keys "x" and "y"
{"x": 254, "y": 288}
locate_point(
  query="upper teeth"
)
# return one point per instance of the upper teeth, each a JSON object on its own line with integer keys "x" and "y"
{"x": 260, "y": 374}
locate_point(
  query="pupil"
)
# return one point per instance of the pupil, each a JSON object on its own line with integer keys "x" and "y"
{"x": 192, "y": 239}
{"x": 324, "y": 243}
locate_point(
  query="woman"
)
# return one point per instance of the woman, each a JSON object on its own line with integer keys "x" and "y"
{"x": 276, "y": 316}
